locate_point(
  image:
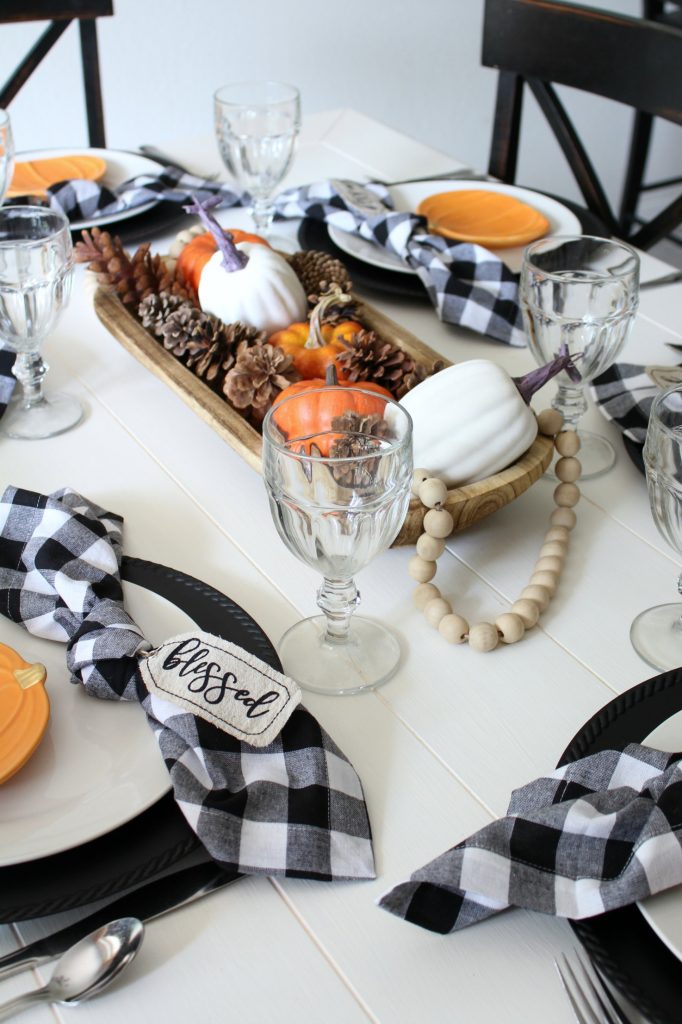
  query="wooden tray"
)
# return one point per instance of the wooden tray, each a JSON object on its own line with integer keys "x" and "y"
{"x": 467, "y": 504}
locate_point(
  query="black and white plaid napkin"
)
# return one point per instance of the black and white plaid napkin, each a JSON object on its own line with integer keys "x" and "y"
{"x": 598, "y": 834}
{"x": 624, "y": 394}
{"x": 7, "y": 378}
{"x": 467, "y": 284}
{"x": 294, "y": 807}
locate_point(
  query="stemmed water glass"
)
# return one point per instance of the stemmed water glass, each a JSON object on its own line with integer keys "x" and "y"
{"x": 256, "y": 125}
{"x": 656, "y": 633}
{"x": 584, "y": 292}
{"x": 339, "y": 488}
{"x": 36, "y": 265}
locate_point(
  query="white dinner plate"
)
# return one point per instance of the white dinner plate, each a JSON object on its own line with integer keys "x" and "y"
{"x": 120, "y": 167}
{"x": 664, "y": 911}
{"x": 98, "y": 765}
{"x": 562, "y": 221}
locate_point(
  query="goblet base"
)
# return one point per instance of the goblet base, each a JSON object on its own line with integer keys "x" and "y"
{"x": 656, "y": 635}
{"x": 366, "y": 660}
{"x": 54, "y": 414}
{"x": 597, "y": 455}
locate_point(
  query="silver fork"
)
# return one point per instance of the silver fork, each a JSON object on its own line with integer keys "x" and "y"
{"x": 590, "y": 999}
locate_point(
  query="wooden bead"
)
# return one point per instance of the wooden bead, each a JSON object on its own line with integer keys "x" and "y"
{"x": 568, "y": 469}
{"x": 567, "y": 495}
{"x": 483, "y": 637}
{"x": 565, "y": 517}
{"x": 436, "y": 610}
{"x": 453, "y": 628}
{"x": 560, "y": 533}
{"x": 550, "y": 422}
{"x": 567, "y": 443}
{"x": 511, "y": 627}
{"x": 430, "y": 548}
{"x": 421, "y": 570}
{"x": 550, "y": 563}
{"x": 553, "y": 548}
{"x": 432, "y": 492}
{"x": 534, "y": 592}
{"x": 527, "y": 610}
{"x": 424, "y": 593}
{"x": 544, "y": 578}
{"x": 438, "y": 523}
{"x": 418, "y": 478}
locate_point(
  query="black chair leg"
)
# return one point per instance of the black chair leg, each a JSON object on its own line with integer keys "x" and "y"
{"x": 91, "y": 81}
{"x": 639, "y": 148}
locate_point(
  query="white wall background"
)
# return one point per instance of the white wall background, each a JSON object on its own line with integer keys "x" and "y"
{"x": 414, "y": 66}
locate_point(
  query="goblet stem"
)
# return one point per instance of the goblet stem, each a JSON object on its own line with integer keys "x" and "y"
{"x": 338, "y": 599}
{"x": 30, "y": 369}
{"x": 571, "y": 403}
{"x": 263, "y": 212}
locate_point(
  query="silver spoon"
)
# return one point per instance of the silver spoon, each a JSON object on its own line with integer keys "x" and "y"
{"x": 87, "y": 967}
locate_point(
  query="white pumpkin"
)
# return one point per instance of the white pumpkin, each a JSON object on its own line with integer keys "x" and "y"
{"x": 265, "y": 293}
{"x": 470, "y": 421}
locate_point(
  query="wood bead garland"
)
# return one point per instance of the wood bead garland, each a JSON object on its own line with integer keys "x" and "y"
{"x": 509, "y": 627}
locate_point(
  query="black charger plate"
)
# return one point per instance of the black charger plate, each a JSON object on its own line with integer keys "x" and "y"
{"x": 621, "y": 942}
{"x": 159, "y": 837}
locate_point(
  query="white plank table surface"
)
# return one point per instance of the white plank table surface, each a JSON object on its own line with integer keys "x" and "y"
{"x": 438, "y": 748}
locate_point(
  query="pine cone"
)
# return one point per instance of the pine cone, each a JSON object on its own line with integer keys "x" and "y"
{"x": 358, "y": 432}
{"x": 155, "y": 310}
{"x": 188, "y": 330}
{"x": 213, "y": 362}
{"x": 317, "y": 270}
{"x": 257, "y": 377}
{"x": 132, "y": 278}
{"x": 417, "y": 375}
{"x": 369, "y": 357}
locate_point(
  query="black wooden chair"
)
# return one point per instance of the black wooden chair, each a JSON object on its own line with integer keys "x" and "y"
{"x": 61, "y": 13}
{"x": 540, "y": 44}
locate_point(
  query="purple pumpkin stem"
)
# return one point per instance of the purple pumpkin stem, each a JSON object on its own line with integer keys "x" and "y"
{"x": 535, "y": 379}
{"x": 233, "y": 258}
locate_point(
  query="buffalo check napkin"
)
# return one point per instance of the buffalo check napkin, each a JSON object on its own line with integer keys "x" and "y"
{"x": 7, "y": 379}
{"x": 294, "y": 807}
{"x": 466, "y": 284}
{"x": 624, "y": 394}
{"x": 594, "y": 835}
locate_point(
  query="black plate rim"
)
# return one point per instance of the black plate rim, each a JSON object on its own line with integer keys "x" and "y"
{"x": 209, "y": 608}
{"x": 629, "y": 718}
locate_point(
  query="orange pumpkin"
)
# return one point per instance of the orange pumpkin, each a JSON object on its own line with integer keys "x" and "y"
{"x": 198, "y": 252}
{"x": 315, "y": 346}
{"x": 24, "y": 710}
{"x": 312, "y": 417}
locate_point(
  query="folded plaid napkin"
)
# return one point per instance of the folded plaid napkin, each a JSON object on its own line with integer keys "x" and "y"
{"x": 7, "y": 378}
{"x": 624, "y": 394}
{"x": 597, "y": 834}
{"x": 467, "y": 284}
{"x": 294, "y": 807}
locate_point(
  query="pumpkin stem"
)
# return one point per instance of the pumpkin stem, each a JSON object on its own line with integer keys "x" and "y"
{"x": 334, "y": 298}
{"x": 535, "y": 379}
{"x": 233, "y": 258}
{"x": 331, "y": 378}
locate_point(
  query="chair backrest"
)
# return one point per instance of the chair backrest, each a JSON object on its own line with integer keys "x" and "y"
{"x": 61, "y": 13}
{"x": 540, "y": 43}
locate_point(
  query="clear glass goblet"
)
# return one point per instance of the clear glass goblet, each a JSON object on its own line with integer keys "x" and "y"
{"x": 256, "y": 124}
{"x": 656, "y": 633}
{"x": 6, "y": 153}
{"x": 36, "y": 266}
{"x": 337, "y": 465}
{"x": 584, "y": 292}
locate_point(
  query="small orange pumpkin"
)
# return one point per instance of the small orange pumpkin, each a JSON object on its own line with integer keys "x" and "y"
{"x": 314, "y": 417}
{"x": 315, "y": 346}
{"x": 198, "y": 252}
{"x": 24, "y": 710}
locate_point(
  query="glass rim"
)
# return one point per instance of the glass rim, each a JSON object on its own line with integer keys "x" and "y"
{"x": 529, "y": 252}
{"x": 294, "y": 92}
{"x": 43, "y": 211}
{"x": 658, "y": 401}
{"x": 326, "y": 459}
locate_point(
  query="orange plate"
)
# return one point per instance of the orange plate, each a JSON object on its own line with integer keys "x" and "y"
{"x": 32, "y": 177}
{"x": 492, "y": 219}
{"x": 24, "y": 710}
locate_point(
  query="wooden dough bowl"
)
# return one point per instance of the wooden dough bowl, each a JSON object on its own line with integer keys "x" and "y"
{"x": 466, "y": 504}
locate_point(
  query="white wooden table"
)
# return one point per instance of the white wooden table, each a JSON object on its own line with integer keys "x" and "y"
{"x": 438, "y": 748}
